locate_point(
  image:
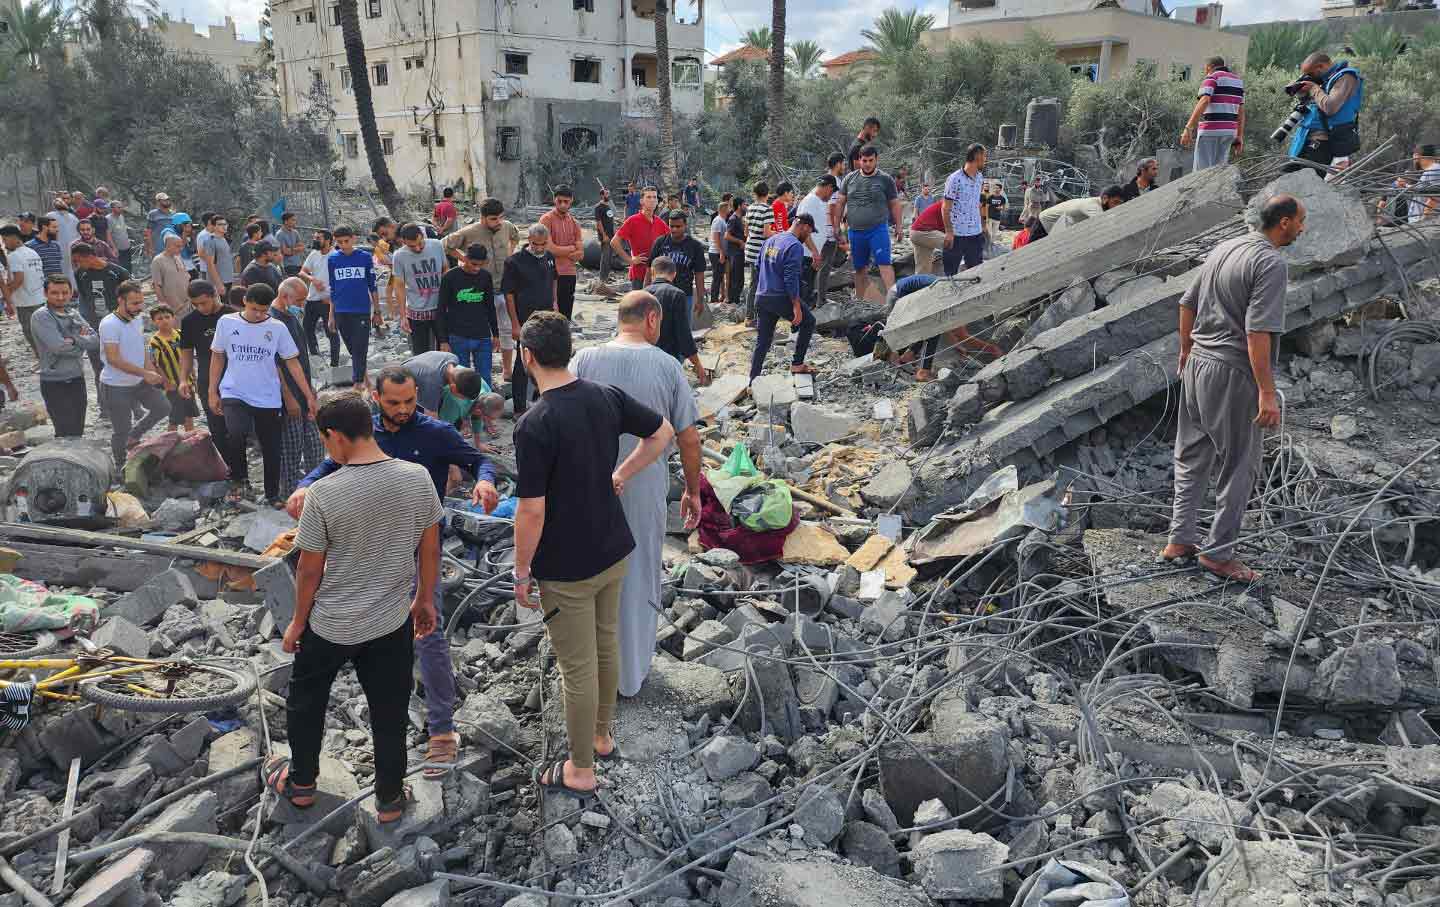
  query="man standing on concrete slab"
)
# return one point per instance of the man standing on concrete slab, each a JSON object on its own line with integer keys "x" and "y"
{"x": 1229, "y": 319}
{"x": 402, "y": 431}
{"x": 571, "y": 535}
{"x": 777, "y": 296}
{"x": 499, "y": 237}
{"x": 869, "y": 201}
{"x": 128, "y": 379}
{"x": 633, "y": 363}
{"x": 369, "y": 541}
{"x": 961, "y": 214}
{"x": 1217, "y": 124}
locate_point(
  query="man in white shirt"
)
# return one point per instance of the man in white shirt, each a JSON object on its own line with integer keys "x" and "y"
{"x": 25, "y": 284}
{"x": 317, "y": 301}
{"x": 1066, "y": 214}
{"x": 129, "y": 378}
{"x": 69, "y": 232}
{"x": 821, "y": 243}
{"x": 1427, "y": 161}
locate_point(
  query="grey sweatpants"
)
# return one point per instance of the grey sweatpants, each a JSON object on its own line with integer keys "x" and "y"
{"x": 1213, "y": 150}
{"x": 1217, "y": 430}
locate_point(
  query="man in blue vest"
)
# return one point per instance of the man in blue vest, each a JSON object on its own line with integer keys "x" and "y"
{"x": 1331, "y": 128}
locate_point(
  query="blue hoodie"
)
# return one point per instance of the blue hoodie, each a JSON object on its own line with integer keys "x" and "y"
{"x": 352, "y": 280}
{"x": 781, "y": 260}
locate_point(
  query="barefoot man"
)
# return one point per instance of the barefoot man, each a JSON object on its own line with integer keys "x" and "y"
{"x": 1229, "y": 319}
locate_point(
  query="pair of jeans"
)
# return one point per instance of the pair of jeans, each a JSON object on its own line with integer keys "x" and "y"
{"x": 383, "y": 667}
{"x": 474, "y": 352}
{"x": 607, "y": 260}
{"x": 585, "y": 634}
{"x": 827, "y": 265}
{"x": 24, "y": 313}
{"x": 437, "y": 671}
{"x": 565, "y": 295}
{"x": 66, "y": 401}
{"x": 354, "y": 329}
{"x": 242, "y": 420}
{"x": 766, "y": 333}
{"x": 754, "y": 269}
{"x": 317, "y": 311}
{"x": 966, "y": 250}
{"x": 121, "y": 401}
{"x": 424, "y": 336}
{"x": 1213, "y": 149}
{"x": 126, "y": 257}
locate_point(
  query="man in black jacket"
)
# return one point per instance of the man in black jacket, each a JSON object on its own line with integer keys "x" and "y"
{"x": 675, "y": 335}
{"x": 97, "y": 282}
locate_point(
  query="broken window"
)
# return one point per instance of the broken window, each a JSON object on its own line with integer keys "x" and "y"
{"x": 586, "y": 6}
{"x": 309, "y": 17}
{"x": 344, "y": 80}
{"x": 517, "y": 64}
{"x": 387, "y": 143}
{"x": 372, "y": 9}
{"x": 687, "y": 12}
{"x": 509, "y": 143}
{"x": 579, "y": 138}
{"x": 585, "y": 71}
{"x": 352, "y": 145}
{"x": 317, "y": 81}
{"x": 380, "y": 74}
{"x": 4, "y": 25}
{"x": 685, "y": 71}
{"x": 642, "y": 71}
{"x": 645, "y": 9}
{"x": 335, "y": 14}
{"x": 1180, "y": 72}
{"x": 414, "y": 62}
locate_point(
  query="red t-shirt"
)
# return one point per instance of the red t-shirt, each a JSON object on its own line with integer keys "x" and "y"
{"x": 444, "y": 211}
{"x": 929, "y": 219}
{"x": 641, "y": 232}
{"x": 1021, "y": 239}
{"x": 782, "y": 216}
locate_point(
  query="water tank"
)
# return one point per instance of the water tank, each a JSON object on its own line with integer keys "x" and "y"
{"x": 62, "y": 482}
{"x": 1009, "y": 133}
{"x": 1042, "y": 123}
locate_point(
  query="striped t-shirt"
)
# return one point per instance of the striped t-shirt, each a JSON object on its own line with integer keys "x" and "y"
{"x": 367, "y": 519}
{"x": 757, "y": 217}
{"x": 1226, "y": 92}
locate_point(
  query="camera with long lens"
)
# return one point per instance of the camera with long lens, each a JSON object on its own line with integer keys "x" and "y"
{"x": 1302, "y": 107}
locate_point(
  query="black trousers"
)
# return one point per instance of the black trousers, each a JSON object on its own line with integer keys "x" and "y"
{"x": 219, "y": 433}
{"x": 383, "y": 667}
{"x": 354, "y": 328}
{"x": 317, "y": 311}
{"x": 66, "y": 402}
{"x": 735, "y": 267}
{"x": 966, "y": 250}
{"x": 565, "y": 295}
{"x": 1318, "y": 152}
{"x": 243, "y": 420}
{"x": 519, "y": 386}
{"x": 717, "y": 278}
{"x": 423, "y": 336}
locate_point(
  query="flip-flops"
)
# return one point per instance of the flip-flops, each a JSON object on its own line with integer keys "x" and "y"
{"x": 393, "y": 810}
{"x": 275, "y": 775}
{"x": 556, "y": 773}
{"x": 444, "y": 749}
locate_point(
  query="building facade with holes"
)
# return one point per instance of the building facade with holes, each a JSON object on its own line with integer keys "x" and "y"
{"x": 473, "y": 94}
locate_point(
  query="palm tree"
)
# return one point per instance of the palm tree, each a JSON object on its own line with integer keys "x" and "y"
{"x": 1375, "y": 41}
{"x": 775, "y": 96}
{"x": 758, "y": 38}
{"x": 1284, "y": 45}
{"x": 32, "y": 31}
{"x": 101, "y": 20}
{"x": 668, "y": 174}
{"x": 805, "y": 58}
{"x": 894, "y": 34}
{"x": 365, "y": 107}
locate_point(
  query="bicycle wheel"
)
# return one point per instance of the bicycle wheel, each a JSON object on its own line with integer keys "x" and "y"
{"x": 170, "y": 687}
{"x": 27, "y": 645}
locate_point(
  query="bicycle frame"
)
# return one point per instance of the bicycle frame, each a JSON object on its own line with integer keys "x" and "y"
{"x": 74, "y": 670}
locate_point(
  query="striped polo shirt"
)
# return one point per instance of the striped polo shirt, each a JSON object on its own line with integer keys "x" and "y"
{"x": 1226, "y": 92}
{"x": 758, "y": 216}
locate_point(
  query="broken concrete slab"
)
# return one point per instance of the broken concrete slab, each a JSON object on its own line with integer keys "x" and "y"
{"x": 952, "y": 865}
{"x": 813, "y": 545}
{"x": 817, "y": 425}
{"x": 973, "y": 754}
{"x": 196, "y": 812}
{"x": 1348, "y": 227}
{"x": 1077, "y": 299}
{"x": 120, "y": 883}
{"x": 147, "y": 604}
{"x": 810, "y": 883}
{"x": 122, "y": 637}
{"x": 889, "y": 486}
{"x": 773, "y": 393}
{"x": 1174, "y": 212}
{"x": 268, "y": 526}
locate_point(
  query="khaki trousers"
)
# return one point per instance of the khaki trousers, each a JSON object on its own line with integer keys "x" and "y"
{"x": 585, "y": 634}
{"x": 1216, "y": 431}
{"x": 926, "y": 243}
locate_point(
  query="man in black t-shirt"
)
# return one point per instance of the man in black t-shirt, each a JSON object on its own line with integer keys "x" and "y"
{"x": 263, "y": 268}
{"x": 466, "y": 317}
{"x": 570, "y": 531}
{"x": 604, "y": 230}
{"x": 688, "y": 255}
{"x": 197, "y": 330}
{"x": 869, "y": 132}
{"x": 529, "y": 286}
{"x": 735, "y": 253}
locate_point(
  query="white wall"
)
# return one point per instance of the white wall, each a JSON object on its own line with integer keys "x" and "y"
{"x": 1003, "y": 9}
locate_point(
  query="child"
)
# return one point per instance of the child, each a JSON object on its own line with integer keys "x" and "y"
{"x": 165, "y": 349}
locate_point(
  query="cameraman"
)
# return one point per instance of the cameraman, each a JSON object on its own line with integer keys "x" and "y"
{"x": 1330, "y": 130}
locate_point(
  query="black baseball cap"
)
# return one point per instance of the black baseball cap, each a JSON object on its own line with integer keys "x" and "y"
{"x": 826, "y": 180}
{"x": 477, "y": 252}
{"x": 805, "y": 219}
{"x": 26, "y": 215}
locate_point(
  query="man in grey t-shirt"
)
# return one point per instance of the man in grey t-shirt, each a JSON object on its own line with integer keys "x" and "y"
{"x": 213, "y": 249}
{"x": 292, "y": 246}
{"x": 1230, "y": 316}
{"x": 419, "y": 264}
{"x": 869, "y": 201}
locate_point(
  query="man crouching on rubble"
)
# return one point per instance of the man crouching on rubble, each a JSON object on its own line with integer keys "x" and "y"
{"x": 1229, "y": 318}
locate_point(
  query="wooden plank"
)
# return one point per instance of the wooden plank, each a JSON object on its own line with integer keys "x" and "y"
{"x": 63, "y": 536}
{"x": 62, "y": 851}
{"x": 722, "y": 391}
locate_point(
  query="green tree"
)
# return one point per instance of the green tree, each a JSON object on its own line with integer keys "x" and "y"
{"x": 33, "y": 31}
{"x": 775, "y": 102}
{"x": 895, "y": 33}
{"x": 365, "y": 108}
{"x": 669, "y": 177}
{"x": 1285, "y": 45}
{"x": 1375, "y": 41}
{"x": 758, "y": 38}
{"x": 1129, "y": 117}
{"x": 805, "y": 58}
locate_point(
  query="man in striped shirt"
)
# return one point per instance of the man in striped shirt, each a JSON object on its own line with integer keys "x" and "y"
{"x": 1218, "y": 121}
{"x": 759, "y": 226}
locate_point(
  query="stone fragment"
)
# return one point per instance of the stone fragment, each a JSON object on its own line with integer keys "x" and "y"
{"x": 869, "y": 845}
{"x": 385, "y": 873}
{"x": 485, "y": 721}
{"x": 1203, "y": 817}
{"x": 269, "y": 524}
{"x": 119, "y": 883}
{"x": 196, "y": 812}
{"x": 932, "y": 814}
{"x": 146, "y": 604}
{"x": 886, "y": 617}
{"x": 213, "y": 889}
{"x": 1418, "y": 765}
{"x": 926, "y": 413}
{"x": 725, "y": 757}
{"x": 178, "y": 624}
{"x": 952, "y": 865}
{"x": 773, "y": 393}
{"x": 176, "y": 514}
{"x": 560, "y": 845}
{"x": 228, "y": 751}
{"x": 764, "y": 881}
{"x": 1077, "y": 299}
{"x": 776, "y": 696}
{"x": 816, "y": 425}
{"x": 890, "y": 486}
{"x": 1344, "y": 426}
{"x": 1314, "y": 340}
{"x": 705, "y": 638}
{"x": 1365, "y": 674}
{"x": 973, "y": 751}
{"x": 1261, "y": 874}
{"x": 812, "y": 545}
{"x": 431, "y": 894}
{"x": 123, "y": 637}
{"x": 276, "y": 581}
{"x": 821, "y": 813}
{"x": 74, "y": 733}
{"x": 1348, "y": 225}
{"x": 1425, "y": 363}
{"x": 878, "y": 811}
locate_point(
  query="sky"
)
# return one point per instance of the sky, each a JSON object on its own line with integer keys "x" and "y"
{"x": 834, "y": 24}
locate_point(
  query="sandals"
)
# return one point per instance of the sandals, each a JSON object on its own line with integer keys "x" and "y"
{"x": 804, "y": 370}
{"x": 556, "y": 773}
{"x": 394, "y": 810}
{"x": 275, "y": 775}
{"x": 444, "y": 749}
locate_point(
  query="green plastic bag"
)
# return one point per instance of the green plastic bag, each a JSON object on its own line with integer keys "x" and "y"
{"x": 740, "y": 463}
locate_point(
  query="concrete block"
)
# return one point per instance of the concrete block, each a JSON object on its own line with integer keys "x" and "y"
{"x": 951, "y": 865}
{"x": 424, "y": 815}
{"x": 967, "y": 406}
{"x": 196, "y": 812}
{"x": 228, "y": 751}
{"x": 816, "y": 425}
{"x": 773, "y": 391}
{"x": 276, "y": 582}
{"x": 1026, "y": 373}
{"x": 74, "y": 733}
{"x": 147, "y": 604}
{"x": 1131, "y": 289}
{"x": 386, "y": 873}
{"x": 268, "y": 525}
{"x": 117, "y": 884}
{"x": 431, "y": 894}
{"x": 123, "y": 637}
{"x": 888, "y": 486}
{"x": 1077, "y": 299}
{"x": 972, "y": 752}
{"x": 925, "y": 415}
{"x": 772, "y": 882}
{"x": 1348, "y": 226}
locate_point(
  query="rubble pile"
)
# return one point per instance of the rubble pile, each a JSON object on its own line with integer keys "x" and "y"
{"x": 965, "y": 679}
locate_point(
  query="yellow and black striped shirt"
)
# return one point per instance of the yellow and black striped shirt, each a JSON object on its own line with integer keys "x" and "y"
{"x": 167, "y": 356}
